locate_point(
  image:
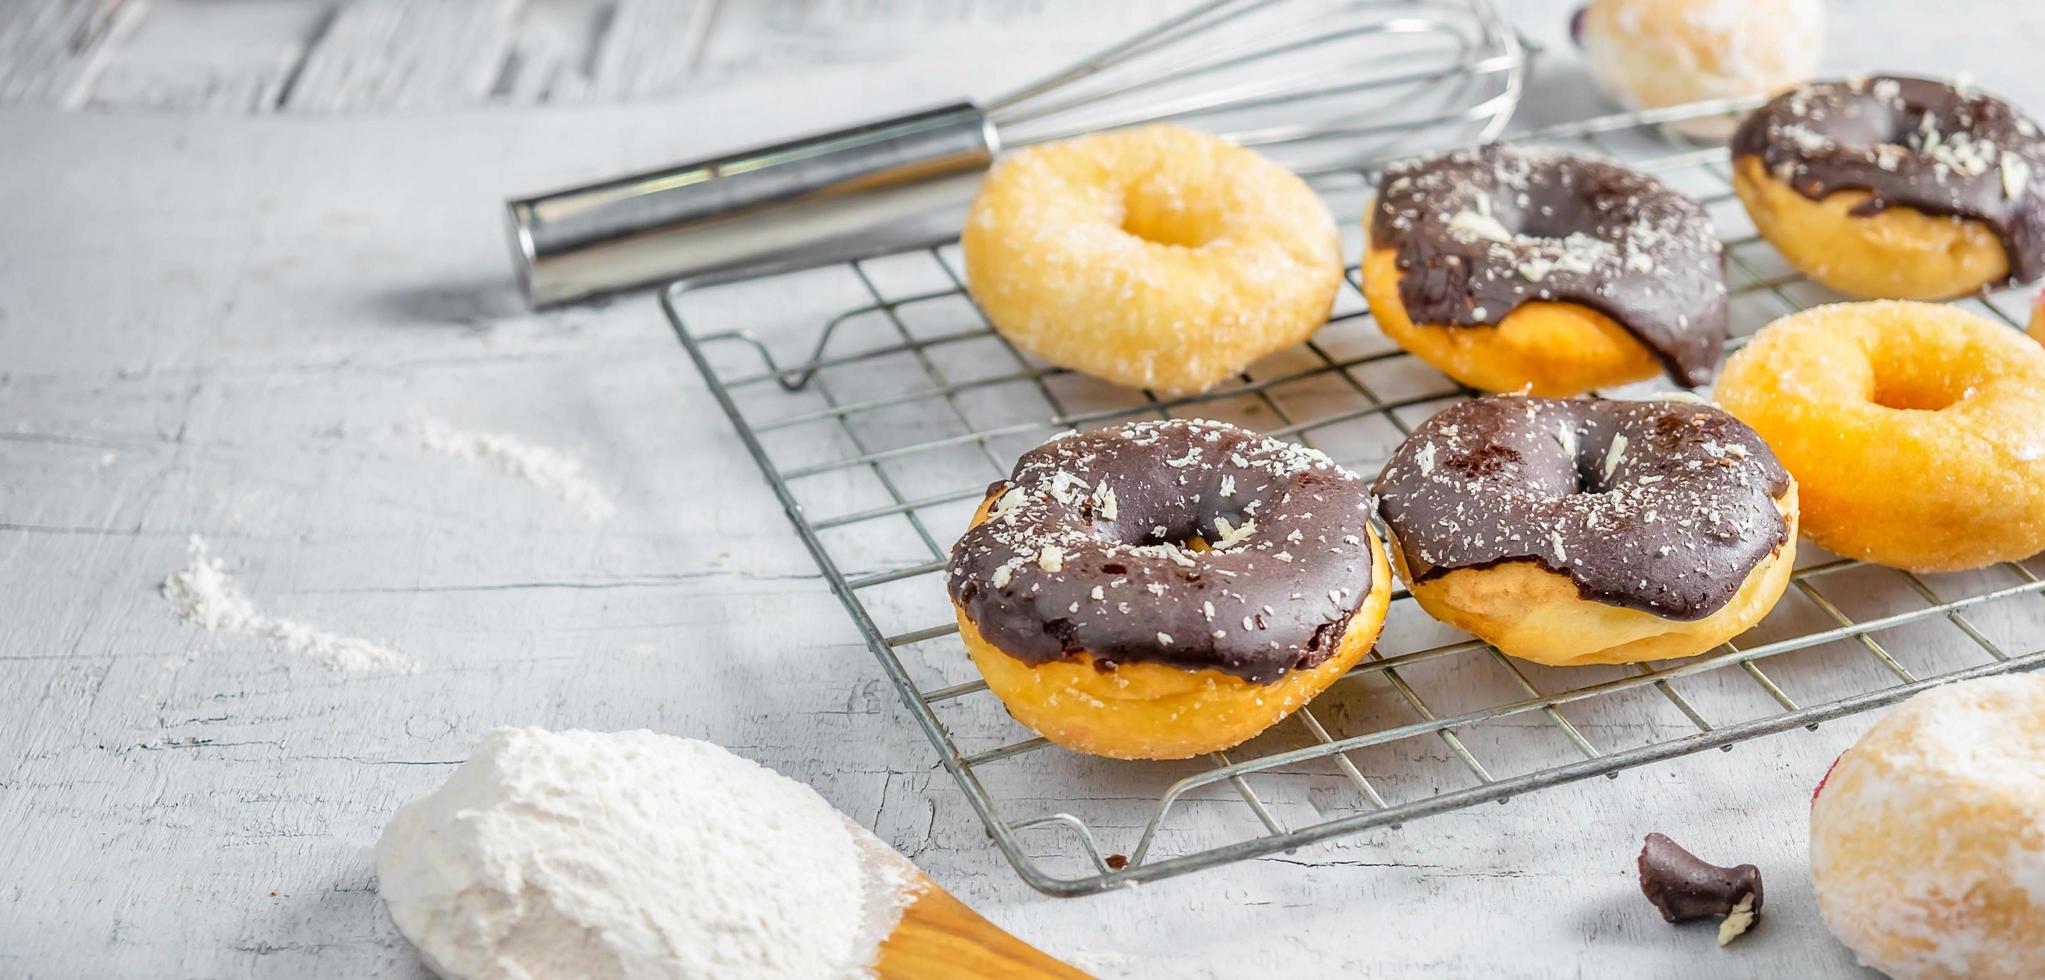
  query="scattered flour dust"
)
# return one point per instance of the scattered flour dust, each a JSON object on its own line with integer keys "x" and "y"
{"x": 550, "y": 470}
{"x": 203, "y": 594}
{"x": 634, "y": 856}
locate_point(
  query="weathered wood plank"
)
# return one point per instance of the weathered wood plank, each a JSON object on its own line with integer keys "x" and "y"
{"x": 649, "y": 48}
{"x": 404, "y": 55}
{"x": 49, "y": 49}
{"x": 553, "y": 46}
{"x": 760, "y": 39}
{"x": 205, "y": 56}
{"x": 225, "y": 325}
{"x": 251, "y": 355}
{"x": 568, "y": 52}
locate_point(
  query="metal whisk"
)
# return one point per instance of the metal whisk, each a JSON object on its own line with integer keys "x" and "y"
{"x": 1318, "y": 84}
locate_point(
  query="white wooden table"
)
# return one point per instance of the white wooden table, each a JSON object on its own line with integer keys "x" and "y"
{"x": 246, "y": 247}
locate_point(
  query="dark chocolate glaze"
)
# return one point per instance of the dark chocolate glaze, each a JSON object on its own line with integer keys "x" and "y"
{"x": 1480, "y": 232}
{"x": 1685, "y": 887}
{"x": 1911, "y": 143}
{"x": 1660, "y": 506}
{"x": 1112, "y": 507}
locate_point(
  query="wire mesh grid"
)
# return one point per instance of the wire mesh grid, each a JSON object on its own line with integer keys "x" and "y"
{"x": 881, "y": 433}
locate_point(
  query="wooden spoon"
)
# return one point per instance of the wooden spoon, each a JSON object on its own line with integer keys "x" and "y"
{"x": 939, "y": 937}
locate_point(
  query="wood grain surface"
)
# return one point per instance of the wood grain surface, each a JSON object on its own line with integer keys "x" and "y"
{"x": 939, "y": 938}
{"x": 249, "y": 246}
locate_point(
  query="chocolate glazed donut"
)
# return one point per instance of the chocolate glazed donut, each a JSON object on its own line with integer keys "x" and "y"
{"x": 1476, "y": 236}
{"x": 1904, "y": 145}
{"x": 1590, "y": 531}
{"x": 1284, "y": 570}
{"x": 1167, "y": 588}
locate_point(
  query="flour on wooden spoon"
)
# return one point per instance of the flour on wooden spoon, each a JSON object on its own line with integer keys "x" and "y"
{"x": 634, "y": 856}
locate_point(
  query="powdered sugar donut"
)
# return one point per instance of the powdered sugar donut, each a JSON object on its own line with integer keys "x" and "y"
{"x": 1928, "y": 836}
{"x": 1654, "y": 53}
{"x": 1157, "y": 257}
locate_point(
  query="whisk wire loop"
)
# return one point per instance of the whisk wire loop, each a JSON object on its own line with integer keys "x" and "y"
{"x": 1318, "y": 84}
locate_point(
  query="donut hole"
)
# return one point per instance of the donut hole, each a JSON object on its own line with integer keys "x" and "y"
{"x": 1914, "y": 394}
{"x": 1866, "y": 121}
{"x": 1877, "y": 124}
{"x": 1910, "y": 385}
{"x": 1560, "y": 482}
{"x": 1189, "y": 522}
{"x": 1190, "y": 527}
{"x": 1914, "y": 367}
{"x": 1161, "y": 230}
{"x": 1911, "y": 127}
{"x": 1589, "y": 480}
{"x": 1185, "y": 538}
{"x": 1578, "y": 210}
{"x": 1162, "y": 215}
{"x": 1189, "y": 517}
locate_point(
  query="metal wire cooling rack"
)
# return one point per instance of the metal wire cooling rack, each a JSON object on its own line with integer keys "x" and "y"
{"x": 880, "y": 434}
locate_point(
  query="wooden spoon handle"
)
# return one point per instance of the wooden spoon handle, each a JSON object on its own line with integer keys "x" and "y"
{"x": 939, "y": 937}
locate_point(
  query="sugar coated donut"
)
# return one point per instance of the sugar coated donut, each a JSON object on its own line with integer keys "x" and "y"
{"x": 1165, "y": 589}
{"x": 2038, "y": 319}
{"x": 1653, "y": 53}
{"x": 1589, "y": 531}
{"x": 1928, "y": 835}
{"x": 1157, "y": 257}
{"x": 1896, "y": 188}
{"x": 1514, "y": 268}
{"x": 1916, "y": 430}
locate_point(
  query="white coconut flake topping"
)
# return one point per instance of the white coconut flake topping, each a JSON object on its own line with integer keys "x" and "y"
{"x": 1616, "y": 454}
{"x": 2016, "y": 176}
{"x": 1479, "y": 223}
{"x": 1051, "y": 559}
{"x": 1104, "y": 502}
{"x": 1470, "y": 224}
{"x": 1232, "y": 536}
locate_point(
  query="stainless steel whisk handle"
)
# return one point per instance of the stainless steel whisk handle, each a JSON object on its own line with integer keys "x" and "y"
{"x": 743, "y": 208}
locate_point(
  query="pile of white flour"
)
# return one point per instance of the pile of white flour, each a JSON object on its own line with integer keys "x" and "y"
{"x": 204, "y": 595}
{"x": 550, "y": 470}
{"x": 633, "y": 855}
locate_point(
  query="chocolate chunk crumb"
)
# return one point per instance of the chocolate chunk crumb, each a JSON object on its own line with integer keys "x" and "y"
{"x": 1684, "y": 887}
